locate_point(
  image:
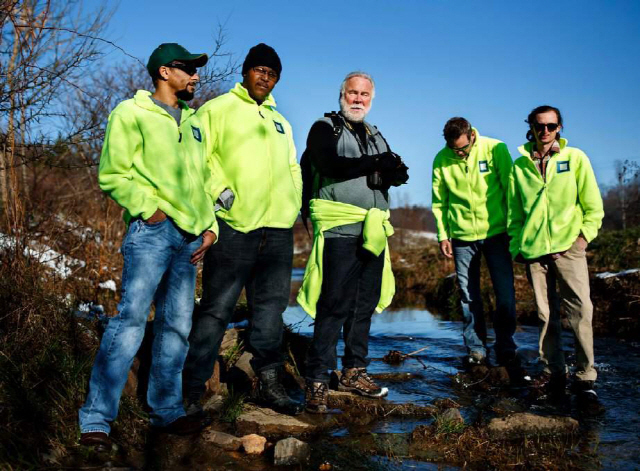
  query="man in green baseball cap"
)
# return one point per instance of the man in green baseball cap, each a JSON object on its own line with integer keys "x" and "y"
{"x": 154, "y": 165}
{"x": 166, "y": 53}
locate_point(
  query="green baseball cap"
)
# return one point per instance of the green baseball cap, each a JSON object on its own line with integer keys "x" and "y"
{"x": 167, "y": 52}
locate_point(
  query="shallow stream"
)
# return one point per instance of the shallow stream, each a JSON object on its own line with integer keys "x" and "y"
{"x": 613, "y": 439}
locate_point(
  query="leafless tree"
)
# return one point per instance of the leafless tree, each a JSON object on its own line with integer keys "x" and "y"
{"x": 56, "y": 94}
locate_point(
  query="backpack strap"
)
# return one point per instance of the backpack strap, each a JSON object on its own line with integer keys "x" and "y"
{"x": 337, "y": 122}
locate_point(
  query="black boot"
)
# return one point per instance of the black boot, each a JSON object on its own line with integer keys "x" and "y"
{"x": 273, "y": 394}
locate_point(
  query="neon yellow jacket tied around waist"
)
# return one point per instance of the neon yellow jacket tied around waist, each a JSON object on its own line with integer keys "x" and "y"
{"x": 324, "y": 215}
{"x": 148, "y": 162}
{"x": 469, "y": 199}
{"x": 546, "y": 217}
{"x": 252, "y": 153}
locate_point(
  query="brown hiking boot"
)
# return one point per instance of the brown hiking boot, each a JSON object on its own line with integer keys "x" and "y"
{"x": 316, "y": 396}
{"x": 356, "y": 380}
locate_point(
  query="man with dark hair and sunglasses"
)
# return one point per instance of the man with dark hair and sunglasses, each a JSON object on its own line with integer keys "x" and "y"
{"x": 153, "y": 164}
{"x": 470, "y": 179}
{"x": 253, "y": 155}
{"x": 555, "y": 210}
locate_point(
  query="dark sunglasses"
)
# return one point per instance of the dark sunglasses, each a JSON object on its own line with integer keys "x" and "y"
{"x": 188, "y": 69}
{"x": 550, "y": 126}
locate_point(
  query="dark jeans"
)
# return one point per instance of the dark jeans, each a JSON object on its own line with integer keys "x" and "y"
{"x": 259, "y": 261}
{"x": 467, "y": 256}
{"x": 352, "y": 277}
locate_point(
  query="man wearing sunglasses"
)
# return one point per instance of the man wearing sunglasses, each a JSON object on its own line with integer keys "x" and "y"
{"x": 252, "y": 152}
{"x": 555, "y": 210}
{"x": 153, "y": 164}
{"x": 470, "y": 179}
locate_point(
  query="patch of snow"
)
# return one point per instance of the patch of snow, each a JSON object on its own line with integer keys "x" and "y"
{"x": 109, "y": 284}
{"x": 608, "y": 274}
{"x": 90, "y": 311}
{"x": 59, "y": 263}
{"x": 424, "y": 235}
{"x": 79, "y": 231}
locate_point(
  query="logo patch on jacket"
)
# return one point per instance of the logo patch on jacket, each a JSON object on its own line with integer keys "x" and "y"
{"x": 563, "y": 166}
{"x": 196, "y": 133}
{"x": 484, "y": 166}
{"x": 279, "y": 127}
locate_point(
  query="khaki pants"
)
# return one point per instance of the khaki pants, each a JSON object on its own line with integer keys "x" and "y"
{"x": 571, "y": 274}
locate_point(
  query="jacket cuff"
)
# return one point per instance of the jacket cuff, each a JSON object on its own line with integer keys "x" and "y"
{"x": 588, "y": 233}
{"x": 215, "y": 229}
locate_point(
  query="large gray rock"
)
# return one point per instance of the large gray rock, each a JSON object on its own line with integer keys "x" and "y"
{"x": 525, "y": 423}
{"x": 222, "y": 440}
{"x": 291, "y": 451}
{"x": 270, "y": 423}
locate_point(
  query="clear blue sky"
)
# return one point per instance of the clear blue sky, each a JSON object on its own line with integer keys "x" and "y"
{"x": 489, "y": 61}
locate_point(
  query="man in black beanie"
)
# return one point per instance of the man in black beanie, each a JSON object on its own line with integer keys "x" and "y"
{"x": 252, "y": 152}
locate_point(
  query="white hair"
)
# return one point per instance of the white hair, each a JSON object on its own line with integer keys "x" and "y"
{"x": 358, "y": 73}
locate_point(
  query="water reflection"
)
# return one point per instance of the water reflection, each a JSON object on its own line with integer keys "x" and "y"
{"x": 612, "y": 441}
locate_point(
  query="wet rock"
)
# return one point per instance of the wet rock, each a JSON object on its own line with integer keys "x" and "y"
{"x": 291, "y": 451}
{"x": 499, "y": 376}
{"x": 253, "y": 444}
{"x": 377, "y": 407}
{"x": 222, "y": 440}
{"x": 396, "y": 377}
{"x": 394, "y": 357}
{"x": 445, "y": 403}
{"x": 479, "y": 372}
{"x": 269, "y": 423}
{"x": 451, "y": 415}
{"x": 525, "y": 423}
{"x": 506, "y": 406}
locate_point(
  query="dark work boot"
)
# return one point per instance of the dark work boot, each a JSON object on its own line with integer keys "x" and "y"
{"x": 273, "y": 394}
{"x": 587, "y": 399}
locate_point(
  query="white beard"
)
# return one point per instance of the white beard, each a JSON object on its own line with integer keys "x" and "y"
{"x": 354, "y": 113}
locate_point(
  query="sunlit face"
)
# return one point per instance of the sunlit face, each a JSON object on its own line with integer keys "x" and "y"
{"x": 462, "y": 146}
{"x": 543, "y": 125}
{"x": 181, "y": 78}
{"x": 259, "y": 82}
{"x": 355, "y": 102}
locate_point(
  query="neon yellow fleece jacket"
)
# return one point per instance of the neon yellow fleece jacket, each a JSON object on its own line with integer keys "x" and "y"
{"x": 252, "y": 153}
{"x": 469, "y": 196}
{"x": 547, "y": 217}
{"x": 148, "y": 162}
{"x": 326, "y": 214}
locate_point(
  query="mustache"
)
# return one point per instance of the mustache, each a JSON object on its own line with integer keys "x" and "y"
{"x": 356, "y": 107}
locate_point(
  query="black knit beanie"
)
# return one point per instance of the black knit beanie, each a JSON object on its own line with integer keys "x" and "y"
{"x": 262, "y": 55}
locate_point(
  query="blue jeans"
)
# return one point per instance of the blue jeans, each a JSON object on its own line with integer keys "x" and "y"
{"x": 351, "y": 283}
{"x": 156, "y": 268}
{"x": 259, "y": 261}
{"x": 467, "y": 257}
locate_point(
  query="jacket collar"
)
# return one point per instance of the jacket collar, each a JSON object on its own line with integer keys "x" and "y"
{"x": 243, "y": 94}
{"x": 142, "y": 98}
{"x": 526, "y": 149}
